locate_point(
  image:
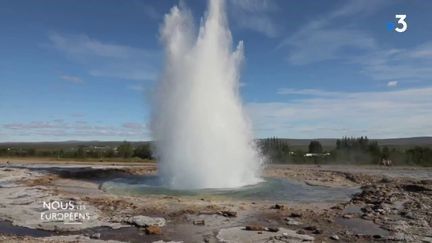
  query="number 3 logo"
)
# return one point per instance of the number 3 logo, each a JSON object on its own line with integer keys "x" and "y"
{"x": 402, "y": 24}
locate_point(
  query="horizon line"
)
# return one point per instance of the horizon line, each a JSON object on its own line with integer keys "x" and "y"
{"x": 138, "y": 141}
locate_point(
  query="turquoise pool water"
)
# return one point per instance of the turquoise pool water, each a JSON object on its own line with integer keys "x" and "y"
{"x": 270, "y": 189}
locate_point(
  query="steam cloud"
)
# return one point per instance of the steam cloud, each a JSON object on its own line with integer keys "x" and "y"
{"x": 203, "y": 137}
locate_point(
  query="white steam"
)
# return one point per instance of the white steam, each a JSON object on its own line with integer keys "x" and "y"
{"x": 203, "y": 138}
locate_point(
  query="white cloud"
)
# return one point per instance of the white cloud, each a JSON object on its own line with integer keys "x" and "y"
{"x": 396, "y": 113}
{"x": 392, "y": 83}
{"x": 322, "y": 39}
{"x": 72, "y": 79}
{"x": 357, "y": 7}
{"x": 82, "y": 45}
{"x": 137, "y": 87}
{"x": 104, "y": 59}
{"x": 254, "y": 5}
{"x": 255, "y": 15}
{"x": 311, "y": 92}
{"x": 337, "y": 36}
{"x": 422, "y": 51}
{"x": 147, "y": 9}
{"x": 317, "y": 45}
{"x": 122, "y": 72}
{"x": 411, "y": 64}
{"x": 261, "y": 24}
{"x": 81, "y": 130}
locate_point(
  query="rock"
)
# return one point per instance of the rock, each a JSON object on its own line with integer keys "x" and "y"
{"x": 423, "y": 223}
{"x": 229, "y": 214}
{"x": 415, "y": 188}
{"x": 347, "y": 216}
{"x": 199, "y": 222}
{"x": 153, "y": 230}
{"x": 145, "y": 221}
{"x": 377, "y": 237}
{"x": 330, "y": 220}
{"x": 386, "y": 179}
{"x": 295, "y": 215}
{"x": 367, "y": 216}
{"x": 161, "y": 241}
{"x": 426, "y": 182}
{"x": 400, "y": 225}
{"x": 317, "y": 232}
{"x": 310, "y": 228}
{"x": 238, "y": 234}
{"x": 427, "y": 239}
{"x": 255, "y": 227}
{"x": 334, "y": 237}
{"x": 399, "y": 236}
{"x": 408, "y": 215}
{"x": 350, "y": 177}
{"x": 272, "y": 229}
{"x": 292, "y": 237}
{"x": 292, "y": 222}
{"x": 337, "y": 207}
{"x": 301, "y": 232}
{"x": 95, "y": 236}
{"x": 277, "y": 206}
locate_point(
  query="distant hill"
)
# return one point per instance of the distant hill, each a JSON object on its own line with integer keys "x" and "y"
{"x": 391, "y": 142}
{"x": 66, "y": 144}
{"x": 328, "y": 143}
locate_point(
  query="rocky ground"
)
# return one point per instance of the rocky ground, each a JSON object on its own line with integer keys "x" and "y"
{"x": 394, "y": 204}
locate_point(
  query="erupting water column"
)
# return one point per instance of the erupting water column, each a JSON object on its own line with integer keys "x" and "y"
{"x": 203, "y": 138}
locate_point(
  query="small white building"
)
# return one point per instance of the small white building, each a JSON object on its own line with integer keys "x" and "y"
{"x": 316, "y": 154}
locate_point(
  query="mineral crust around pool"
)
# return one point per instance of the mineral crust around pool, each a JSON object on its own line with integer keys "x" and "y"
{"x": 239, "y": 234}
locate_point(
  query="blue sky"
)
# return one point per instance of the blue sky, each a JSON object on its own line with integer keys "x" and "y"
{"x": 85, "y": 70}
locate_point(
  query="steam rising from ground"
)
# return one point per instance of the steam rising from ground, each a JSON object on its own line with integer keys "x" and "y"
{"x": 203, "y": 138}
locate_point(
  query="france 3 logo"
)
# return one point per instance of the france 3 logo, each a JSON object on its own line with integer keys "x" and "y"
{"x": 401, "y": 25}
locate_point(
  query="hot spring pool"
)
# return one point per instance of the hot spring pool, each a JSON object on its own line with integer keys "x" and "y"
{"x": 270, "y": 189}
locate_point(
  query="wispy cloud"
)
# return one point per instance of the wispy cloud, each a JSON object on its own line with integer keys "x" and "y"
{"x": 134, "y": 126}
{"x": 255, "y": 15}
{"x": 395, "y": 113}
{"x": 410, "y": 64}
{"x": 356, "y": 7}
{"x": 103, "y": 59}
{"x": 392, "y": 83}
{"x": 147, "y": 9}
{"x": 326, "y": 44}
{"x": 322, "y": 39}
{"x": 54, "y": 129}
{"x": 72, "y": 79}
{"x": 137, "y": 87}
{"x": 309, "y": 92}
{"x": 337, "y": 36}
{"x": 81, "y": 45}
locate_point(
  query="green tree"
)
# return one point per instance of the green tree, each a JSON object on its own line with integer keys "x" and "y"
{"x": 80, "y": 153}
{"x": 419, "y": 156}
{"x": 143, "y": 151}
{"x": 125, "y": 150}
{"x": 275, "y": 150}
{"x": 385, "y": 154}
{"x": 110, "y": 153}
{"x": 315, "y": 147}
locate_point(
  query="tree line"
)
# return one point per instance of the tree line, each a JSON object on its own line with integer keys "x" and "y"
{"x": 347, "y": 150}
{"x": 124, "y": 151}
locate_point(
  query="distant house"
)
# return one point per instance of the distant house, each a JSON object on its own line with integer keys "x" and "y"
{"x": 101, "y": 148}
{"x": 316, "y": 154}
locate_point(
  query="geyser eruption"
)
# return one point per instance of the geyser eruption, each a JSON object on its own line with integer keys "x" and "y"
{"x": 203, "y": 138}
